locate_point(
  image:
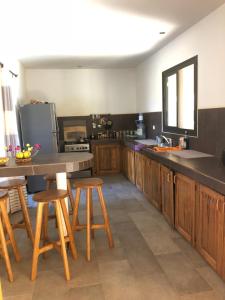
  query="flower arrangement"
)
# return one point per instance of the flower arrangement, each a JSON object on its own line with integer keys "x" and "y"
{"x": 23, "y": 153}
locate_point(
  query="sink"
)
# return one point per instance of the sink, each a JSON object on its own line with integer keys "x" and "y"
{"x": 190, "y": 154}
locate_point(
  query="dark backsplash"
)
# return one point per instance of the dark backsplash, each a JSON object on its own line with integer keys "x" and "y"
{"x": 211, "y": 130}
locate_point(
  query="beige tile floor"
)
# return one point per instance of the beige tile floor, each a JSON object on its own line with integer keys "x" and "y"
{"x": 150, "y": 260}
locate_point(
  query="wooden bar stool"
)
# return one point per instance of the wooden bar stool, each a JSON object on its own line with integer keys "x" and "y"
{"x": 56, "y": 197}
{"x": 17, "y": 184}
{"x": 89, "y": 184}
{"x": 51, "y": 178}
{"x": 4, "y": 221}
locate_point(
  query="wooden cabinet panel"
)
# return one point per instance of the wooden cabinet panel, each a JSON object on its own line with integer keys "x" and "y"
{"x": 131, "y": 165}
{"x": 147, "y": 178}
{"x": 209, "y": 226}
{"x": 139, "y": 170}
{"x": 151, "y": 182}
{"x": 167, "y": 194}
{"x": 185, "y": 206}
{"x": 155, "y": 191}
{"x": 106, "y": 159}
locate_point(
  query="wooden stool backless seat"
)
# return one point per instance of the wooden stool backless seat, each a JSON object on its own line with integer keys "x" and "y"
{"x": 17, "y": 184}
{"x": 43, "y": 199}
{"x": 89, "y": 184}
{"x": 4, "y": 221}
{"x": 51, "y": 179}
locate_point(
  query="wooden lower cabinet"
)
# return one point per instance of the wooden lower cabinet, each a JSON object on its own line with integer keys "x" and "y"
{"x": 167, "y": 194}
{"x": 151, "y": 182}
{"x": 106, "y": 159}
{"x": 147, "y": 178}
{"x": 155, "y": 191}
{"x": 185, "y": 207}
{"x": 139, "y": 170}
{"x": 131, "y": 165}
{"x": 210, "y": 227}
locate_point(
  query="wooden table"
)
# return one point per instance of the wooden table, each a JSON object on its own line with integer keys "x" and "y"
{"x": 58, "y": 163}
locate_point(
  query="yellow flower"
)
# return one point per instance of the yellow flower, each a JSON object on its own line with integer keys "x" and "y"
{"x": 29, "y": 148}
{"x": 6, "y": 148}
{"x": 27, "y": 145}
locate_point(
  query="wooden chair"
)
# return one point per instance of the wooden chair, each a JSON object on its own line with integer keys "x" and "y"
{"x": 4, "y": 221}
{"x": 56, "y": 197}
{"x": 89, "y": 184}
{"x": 17, "y": 184}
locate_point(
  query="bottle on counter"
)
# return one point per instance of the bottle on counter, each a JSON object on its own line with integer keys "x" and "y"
{"x": 186, "y": 140}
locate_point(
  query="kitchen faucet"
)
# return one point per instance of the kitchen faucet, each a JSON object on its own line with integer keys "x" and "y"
{"x": 168, "y": 140}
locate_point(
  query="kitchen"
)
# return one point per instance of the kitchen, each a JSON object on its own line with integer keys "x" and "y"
{"x": 166, "y": 208}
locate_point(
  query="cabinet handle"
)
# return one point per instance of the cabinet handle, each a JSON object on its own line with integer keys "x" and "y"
{"x": 217, "y": 204}
{"x": 174, "y": 179}
{"x": 168, "y": 177}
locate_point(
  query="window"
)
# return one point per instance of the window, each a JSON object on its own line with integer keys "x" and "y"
{"x": 180, "y": 98}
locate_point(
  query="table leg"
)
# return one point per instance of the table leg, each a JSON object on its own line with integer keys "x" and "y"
{"x": 61, "y": 183}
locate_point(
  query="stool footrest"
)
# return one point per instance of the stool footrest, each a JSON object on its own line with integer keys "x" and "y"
{"x": 93, "y": 226}
{"x": 52, "y": 245}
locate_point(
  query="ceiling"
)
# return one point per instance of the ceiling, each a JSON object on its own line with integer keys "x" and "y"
{"x": 94, "y": 33}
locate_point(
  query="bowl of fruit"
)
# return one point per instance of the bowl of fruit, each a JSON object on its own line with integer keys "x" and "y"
{"x": 3, "y": 161}
{"x": 25, "y": 154}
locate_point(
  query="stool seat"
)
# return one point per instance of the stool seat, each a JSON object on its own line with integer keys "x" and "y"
{"x": 3, "y": 195}
{"x": 50, "y": 195}
{"x": 52, "y": 177}
{"x": 88, "y": 182}
{"x": 12, "y": 183}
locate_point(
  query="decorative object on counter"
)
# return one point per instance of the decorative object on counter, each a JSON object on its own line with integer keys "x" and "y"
{"x": 3, "y": 161}
{"x": 35, "y": 101}
{"x": 23, "y": 155}
{"x": 186, "y": 140}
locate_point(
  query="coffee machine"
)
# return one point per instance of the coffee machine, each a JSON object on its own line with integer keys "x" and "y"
{"x": 140, "y": 132}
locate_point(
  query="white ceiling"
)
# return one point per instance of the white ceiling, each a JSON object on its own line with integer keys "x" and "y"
{"x": 94, "y": 33}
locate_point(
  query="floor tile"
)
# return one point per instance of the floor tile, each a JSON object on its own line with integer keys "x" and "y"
{"x": 181, "y": 274}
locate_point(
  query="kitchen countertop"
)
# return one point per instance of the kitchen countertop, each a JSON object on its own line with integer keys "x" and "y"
{"x": 208, "y": 171}
{"x": 49, "y": 163}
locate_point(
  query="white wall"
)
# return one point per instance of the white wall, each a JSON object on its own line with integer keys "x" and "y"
{"x": 205, "y": 39}
{"x": 83, "y": 91}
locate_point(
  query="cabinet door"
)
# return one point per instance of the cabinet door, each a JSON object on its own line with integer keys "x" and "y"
{"x": 209, "y": 226}
{"x": 108, "y": 159}
{"x": 155, "y": 191}
{"x": 167, "y": 194}
{"x": 147, "y": 178}
{"x": 139, "y": 170}
{"x": 124, "y": 161}
{"x": 131, "y": 165}
{"x": 185, "y": 206}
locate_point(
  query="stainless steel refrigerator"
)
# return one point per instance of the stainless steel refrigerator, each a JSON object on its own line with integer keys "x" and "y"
{"x": 38, "y": 125}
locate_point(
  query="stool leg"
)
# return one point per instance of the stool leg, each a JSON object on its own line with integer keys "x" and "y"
{"x": 45, "y": 226}
{"x": 37, "y": 240}
{"x": 75, "y": 210}
{"x": 9, "y": 230}
{"x": 69, "y": 189}
{"x": 25, "y": 213}
{"x": 88, "y": 225}
{"x": 106, "y": 217}
{"x": 92, "y": 215}
{"x": 62, "y": 240}
{"x": 69, "y": 230}
{"x": 5, "y": 252}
